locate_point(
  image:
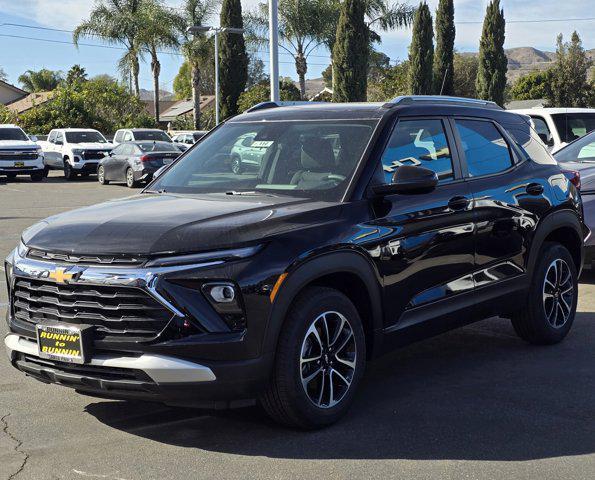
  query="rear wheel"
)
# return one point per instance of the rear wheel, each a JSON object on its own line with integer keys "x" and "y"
{"x": 319, "y": 362}
{"x": 551, "y": 306}
{"x": 130, "y": 181}
{"x": 37, "y": 176}
{"x": 101, "y": 175}
{"x": 69, "y": 173}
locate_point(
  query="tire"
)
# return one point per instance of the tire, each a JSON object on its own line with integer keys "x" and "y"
{"x": 551, "y": 306}
{"x": 37, "y": 176}
{"x": 46, "y": 171}
{"x": 287, "y": 400}
{"x": 130, "y": 181}
{"x": 69, "y": 173}
{"x": 101, "y": 176}
{"x": 236, "y": 165}
{"x": 11, "y": 176}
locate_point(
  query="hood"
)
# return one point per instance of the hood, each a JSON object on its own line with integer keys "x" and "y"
{"x": 92, "y": 146}
{"x": 20, "y": 144}
{"x": 155, "y": 224}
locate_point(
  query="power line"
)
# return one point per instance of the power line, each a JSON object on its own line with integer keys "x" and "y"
{"x": 542, "y": 20}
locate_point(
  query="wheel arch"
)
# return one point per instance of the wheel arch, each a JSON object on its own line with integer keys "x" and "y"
{"x": 348, "y": 272}
{"x": 564, "y": 227}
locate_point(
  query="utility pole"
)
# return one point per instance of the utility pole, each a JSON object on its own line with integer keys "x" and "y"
{"x": 274, "y": 49}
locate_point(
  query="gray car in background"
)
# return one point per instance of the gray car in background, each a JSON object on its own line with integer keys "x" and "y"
{"x": 135, "y": 162}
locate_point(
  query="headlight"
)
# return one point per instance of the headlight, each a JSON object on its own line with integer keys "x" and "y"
{"x": 77, "y": 151}
{"x": 219, "y": 255}
{"x": 22, "y": 250}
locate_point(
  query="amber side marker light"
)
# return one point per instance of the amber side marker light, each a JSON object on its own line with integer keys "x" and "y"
{"x": 278, "y": 283}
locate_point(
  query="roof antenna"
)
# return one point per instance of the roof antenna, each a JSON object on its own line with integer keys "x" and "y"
{"x": 444, "y": 80}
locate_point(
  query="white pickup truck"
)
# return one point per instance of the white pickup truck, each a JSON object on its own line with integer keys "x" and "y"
{"x": 75, "y": 150}
{"x": 19, "y": 154}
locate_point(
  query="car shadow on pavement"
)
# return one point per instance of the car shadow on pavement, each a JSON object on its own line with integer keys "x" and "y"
{"x": 478, "y": 393}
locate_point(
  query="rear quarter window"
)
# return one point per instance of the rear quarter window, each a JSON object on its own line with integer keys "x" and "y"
{"x": 529, "y": 143}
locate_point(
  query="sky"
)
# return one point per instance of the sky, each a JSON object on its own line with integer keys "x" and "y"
{"x": 18, "y": 54}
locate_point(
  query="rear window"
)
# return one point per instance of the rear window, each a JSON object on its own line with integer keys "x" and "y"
{"x": 574, "y": 125}
{"x": 158, "y": 147}
{"x": 152, "y": 135}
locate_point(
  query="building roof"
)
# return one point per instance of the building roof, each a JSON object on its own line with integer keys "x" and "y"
{"x": 9, "y": 93}
{"x": 184, "y": 107}
{"x": 12, "y": 87}
{"x": 164, "y": 105}
{"x": 30, "y": 101}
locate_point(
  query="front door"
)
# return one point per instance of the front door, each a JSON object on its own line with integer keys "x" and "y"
{"x": 425, "y": 252}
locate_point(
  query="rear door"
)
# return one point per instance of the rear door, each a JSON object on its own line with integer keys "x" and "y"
{"x": 425, "y": 253}
{"x": 509, "y": 196}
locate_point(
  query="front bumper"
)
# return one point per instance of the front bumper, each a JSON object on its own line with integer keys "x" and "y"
{"x": 28, "y": 166}
{"x": 88, "y": 166}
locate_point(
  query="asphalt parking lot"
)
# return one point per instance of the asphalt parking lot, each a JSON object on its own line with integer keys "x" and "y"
{"x": 476, "y": 403}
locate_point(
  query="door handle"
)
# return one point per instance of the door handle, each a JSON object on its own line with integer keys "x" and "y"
{"x": 534, "y": 189}
{"x": 458, "y": 203}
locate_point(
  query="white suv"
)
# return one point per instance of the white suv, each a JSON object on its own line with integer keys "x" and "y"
{"x": 557, "y": 127}
{"x": 75, "y": 150}
{"x": 19, "y": 154}
{"x": 136, "y": 134}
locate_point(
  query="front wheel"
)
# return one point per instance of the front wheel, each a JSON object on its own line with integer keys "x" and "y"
{"x": 551, "y": 305}
{"x": 130, "y": 181}
{"x": 37, "y": 176}
{"x": 319, "y": 362}
{"x": 69, "y": 173}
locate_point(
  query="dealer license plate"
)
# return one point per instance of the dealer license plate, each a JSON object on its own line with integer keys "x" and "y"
{"x": 19, "y": 164}
{"x": 61, "y": 342}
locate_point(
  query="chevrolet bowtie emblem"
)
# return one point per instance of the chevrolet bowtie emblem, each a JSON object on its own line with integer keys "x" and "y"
{"x": 60, "y": 275}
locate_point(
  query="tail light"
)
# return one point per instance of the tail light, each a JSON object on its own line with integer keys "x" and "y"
{"x": 574, "y": 177}
{"x": 145, "y": 158}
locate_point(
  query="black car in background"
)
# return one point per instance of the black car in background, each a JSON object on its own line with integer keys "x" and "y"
{"x": 579, "y": 156}
{"x": 135, "y": 162}
{"x": 366, "y": 227}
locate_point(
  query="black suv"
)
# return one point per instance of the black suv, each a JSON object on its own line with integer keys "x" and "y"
{"x": 366, "y": 226}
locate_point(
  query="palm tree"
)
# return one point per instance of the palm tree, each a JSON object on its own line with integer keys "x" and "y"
{"x": 195, "y": 47}
{"x": 117, "y": 22}
{"x": 159, "y": 32}
{"x": 40, "y": 81}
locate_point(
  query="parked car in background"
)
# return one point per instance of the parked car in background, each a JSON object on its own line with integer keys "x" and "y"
{"x": 367, "y": 227}
{"x": 140, "y": 134}
{"x": 189, "y": 138}
{"x": 135, "y": 162}
{"x": 558, "y": 127}
{"x": 579, "y": 156}
{"x": 20, "y": 154}
{"x": 76, "y": 151}
{"x": 247, "y": 153}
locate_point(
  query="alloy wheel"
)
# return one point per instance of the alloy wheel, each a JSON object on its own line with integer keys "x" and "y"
{"x": 100, "y": 175}
{"x": 328, "y": 359}
{"x": 558, "y": 293}
{"x": 129, "y": 178}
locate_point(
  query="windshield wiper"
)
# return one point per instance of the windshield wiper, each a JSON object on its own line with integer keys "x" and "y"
{"x": 161, "y": 190}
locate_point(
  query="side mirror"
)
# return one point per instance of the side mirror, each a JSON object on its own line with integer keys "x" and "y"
{"x": 33, "y": 138}
{"x": 409, "y": 179}
{"x": 59, "y": 142}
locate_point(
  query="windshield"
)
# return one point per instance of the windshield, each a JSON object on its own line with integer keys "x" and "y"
{"x": 88, "y": 136}
{"x": 307, "y": 159}
{"x": 13, "y": 134}
{"x": 582, "y": 150}
{"x": 574, "y": 125}
{"x": 158, "y": 147}
{"x": 151, "y": 135}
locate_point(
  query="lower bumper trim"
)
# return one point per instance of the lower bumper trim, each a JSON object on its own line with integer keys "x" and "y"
{"x": 160, "y": 368}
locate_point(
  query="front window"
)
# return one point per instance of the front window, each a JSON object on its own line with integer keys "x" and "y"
{"x": 13, "y": 134}
{"x": 87, "y": 136}
{"x": 574, "y": 125}
{"x": 152, "y": 135}
{"x": 309, "y": 159}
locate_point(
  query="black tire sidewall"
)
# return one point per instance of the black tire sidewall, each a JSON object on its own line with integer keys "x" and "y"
{"x": 538, "y": 318}
{"x": 309, "y": 306}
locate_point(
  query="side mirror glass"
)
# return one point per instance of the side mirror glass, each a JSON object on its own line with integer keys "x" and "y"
{"x": 409, "y": 179}
{"x": 33, "y": 138}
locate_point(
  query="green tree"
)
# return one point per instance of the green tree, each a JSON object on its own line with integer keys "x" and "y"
{"x": 390, "y": 83}
{"x": 117, "y": 22}
{"x": 76, "y": 74}
{"x": 97, "y": 103}
{"x": 196, "y": 48}
{"x": 3, "y": 76}
{"x": 445, "y": 43}
{"x": 233, "y": 60}
{"x": 7, "y": 115}
{"x": 350, "y": 53}
{"x": 465, "y": 74}
{"x": 568, "y": 84}
{"x": 256, "y": 72}
{"x": 262, "y": 93}
{"x": 421, "y": 52}
{"x": 493, "y": 64}
{"x": 40, "y": 81}
{"x": 159, "y": 33}
{"x": 531, "y": 86}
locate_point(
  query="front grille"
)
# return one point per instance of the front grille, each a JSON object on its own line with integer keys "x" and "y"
{"x": 91, "y": 155}
{"x": 86, "y": 259}
{"x": 114, "y": 311}
{"x": 16, "y": 155}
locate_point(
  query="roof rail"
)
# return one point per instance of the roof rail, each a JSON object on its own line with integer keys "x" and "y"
{"x": 467, "y": 102}
{"x": 271, "y": 104}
